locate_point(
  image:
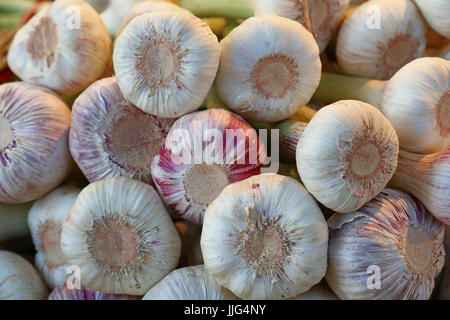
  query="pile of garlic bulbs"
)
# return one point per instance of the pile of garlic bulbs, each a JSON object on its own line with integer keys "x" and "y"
{"x": 140, "y": 147}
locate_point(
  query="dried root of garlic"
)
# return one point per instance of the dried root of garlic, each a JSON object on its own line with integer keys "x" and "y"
{"x": 190, "y": 283}
{"x": 45, "y": 220}
{"x": 19, "y": 280}
{"x": 110, "y": 137}
{"x": 392, "y": 248}
{"x": 379, "y": 37}
{"x": 34, "y": 151}
{"x": 347, "y": 154}
{"x": 121, "y": 237}
{"x": 269, "y": 68}
{"x": 64, "y": 293}
{"x": 166, "y": 62}
{"x": 204, "y": 152}
{"x": 265, "y": 238}
{"x": 64, "y": 47}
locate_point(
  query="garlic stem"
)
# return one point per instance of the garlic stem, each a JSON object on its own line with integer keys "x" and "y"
{"x": 13, "y": 220}
{"x": 219, "y": 8}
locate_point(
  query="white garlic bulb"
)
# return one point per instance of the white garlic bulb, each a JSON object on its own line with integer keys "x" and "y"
{"x": 120, "y": 236}
{"x": 347, "y": 154}
{"x": 420, "y": 90}
{"x": 45, "y": 220}
{"x": 190, "y": 283}
{"x": 391, "y": 248}
{"x": 265, "y": 238}
{"x": 379, "y": 37}
{"x": 166, "y": 62}
{"x": 111, "y": 137}
{"x": 115, "y": 12}
{"x": 297, "y": 10}
{"x": 436, "y": 14}
{"x": 34, "y": 151}
{"x": 19, "y": 280}
{"x": 269, "y": 68}
{"x": 64, "y": 47}
{"x": 64, "y": 293}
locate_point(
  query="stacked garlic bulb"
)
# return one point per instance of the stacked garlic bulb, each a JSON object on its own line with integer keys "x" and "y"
{"x": 64, "y": 293}
{"x": 435, "y": 13}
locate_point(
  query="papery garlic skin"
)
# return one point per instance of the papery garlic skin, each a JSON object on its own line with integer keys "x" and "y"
{"x": 317, "y": 292}
{"x": 116, "y": 12}
{"x": 64, "y": 293}
{"x": 265, "y": 238}
{"x": 393, "y": 234}
{"x": 427, "y": 177}
{"x": 111, "y": 137}
{"x": 269, "y": 68}
{"x": 421, "y": 89}
{"x": 379, "y": 37}
{"x": 45, "y": 221}
{"x": 64, "y": 47}
{"x": 435, "y": 13}
{"x": 190, "y": 176}
{"x": 166, "y": 62}
{"x": 121, "y": 236}
{"x": 190, "y": 283}
{"x": 347, "y": 154}
{"x": 290, "y": 132}
{"x": 19, "y": 280}
{"x": 34, "y": 151}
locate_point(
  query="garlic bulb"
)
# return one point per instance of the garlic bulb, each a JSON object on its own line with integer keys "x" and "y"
{"x": 427, "y": 177}
{"x": 115, "y": 13}
{"x": 64, "y": 47}
{"x": 265, "y": 238}
{"x": 13, "y": 221}
{"x": 45, "y": 220}
{"x": 379, "y": 37}
{"x": 391, "y": 248}
{"x": 64, "y": 293}
{"x": 190, "y": 283}
{"x": 34, "y": 152}
{"x": 19, "y": 280}
{"x": 204, "y": 152}
{"x": 290, "y": 132}
{"x": 110, "y": 137}
{"x": 317, "y": 292}
{"x": 120, "y": 236}
{"x": 166, "y": 62}
{"x": 269, "y": 68}
{"x": 435, "y": 13}
{"x": 347, "y": 154}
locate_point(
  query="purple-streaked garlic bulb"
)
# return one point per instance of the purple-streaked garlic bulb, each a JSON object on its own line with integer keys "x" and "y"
{"x": 110, "y": 137}
{"x": 290, "y": 132}
{"x": 34, "y": 151}
{"x": 203, "y": 153}
{"x": 392, "y": 248}
{"x": 64, "y": 293}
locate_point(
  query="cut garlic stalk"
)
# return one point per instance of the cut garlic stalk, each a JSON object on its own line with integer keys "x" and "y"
{"x": 391, "y": 248}
{"x": 190, "y": 283}
{"x": 318, "y": 292}
{"x": 436, "y": 14}
{"x": 64, "y": 293}
{"x": 19, "y": 280}
{"x": 34, "y": 152}
{"x": 347, "y": 154}
{"x": 120, "y": 236}
{"x": 290, "y": 132}
{"x": 64, "y": 47}
{"x": 13, "y": 221}
{"x": 427, "y": 177}
{"x": 415, "y": 100}
{"x": 111, "y": 137}
{"x": 45, "y": 220}
{"x": 269, "y": 68}
{"x": 166, "y": 62}
{"x": 198, "y": 160}
{"x": 265, "y": 238}
{"x": 379, "y": 37}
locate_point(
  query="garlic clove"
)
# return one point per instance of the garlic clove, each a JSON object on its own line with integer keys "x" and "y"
{"x": 427, "y": 177}
{"x": 435, "y": 13}
{"x": 34, "y": 152}
{"x": 64, "y": 47}
{"x": 269, "y": 68}
{"x": 111, "y": 137}
{"x": 166, "y": 62}
{"x": 265, "y": 238}
{"x": 347, "y": 154}
{"x": 317, "y": 292}
{"x": 379, "y": 37}
{"x": 190, "y": 283}
{"x": 45, "y": 221}
{"x": 391, "y": 248}
{"x": 120, "y": 236}
{"x": 204, "y": 152}
{"x": 19, "y": 280}
{"x": 420, "y": 90}
{"x": 64, "y": 293}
